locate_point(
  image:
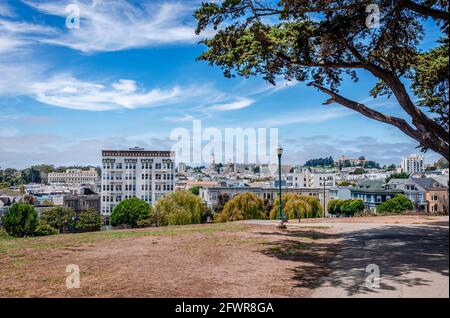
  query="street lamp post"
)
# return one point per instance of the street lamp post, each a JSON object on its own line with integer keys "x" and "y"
{"x": 280, "y": 224}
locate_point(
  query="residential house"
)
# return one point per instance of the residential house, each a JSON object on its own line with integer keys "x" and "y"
{"x": 436, "y": 195}
{"x": 373, "y": 193}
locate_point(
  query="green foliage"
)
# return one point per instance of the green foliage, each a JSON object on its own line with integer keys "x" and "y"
{"x": 400, "y": 175}
{"x": 195, "y": 190}
{"x": 43, "y": 229}
{"x": 351, "y": 207}
{"x": 242, "y": 207}
{"x": 129, "y": 211}
{"x": 321, "y": 162}
{"x": 430, "y": 81}
{"x": 59, "y": 218}
{"x": 20, "y": 220}
{"x": 297, "y": 206}
{"x": 323, "y": 42}
{"x": 88, "y": 220}
{"x": 346, "y": 207}
{"x": 178, "y": 208}
{"x": 397, "y": 204}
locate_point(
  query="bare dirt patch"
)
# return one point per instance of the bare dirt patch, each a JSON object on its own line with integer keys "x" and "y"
{"x": 388, "y": 219}
{"x": 219, "y": 260}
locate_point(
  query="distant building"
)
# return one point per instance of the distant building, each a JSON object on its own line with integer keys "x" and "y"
{"x": 436, "y": 195}
{"x": 182, "y": 167}
{"x": 74, "y": 177}
{"x": 373, "y": 193}
{"x": 412, "y": 164}
{"x": 307, "y": 179}
{"x": 340, "y": 193}
{"x": 147, "y": 175}
{"x": 354, "y": 162}
{"x": 412, "y": 190}
{"x": 87, "y": 199}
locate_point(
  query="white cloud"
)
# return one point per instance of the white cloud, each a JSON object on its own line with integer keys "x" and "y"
{"x": 119, "y": 25}
{"x": 69, "y": 92}
{"x": 307, "y": 117}
{"x": 238, "y": 104}
{"x": 15, "y": 35}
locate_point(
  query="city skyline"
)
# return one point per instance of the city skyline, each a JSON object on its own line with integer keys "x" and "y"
{"x": 65, "y": 95}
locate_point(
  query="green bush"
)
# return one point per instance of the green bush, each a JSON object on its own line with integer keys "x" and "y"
{"x": 20, "y": 220}
{"x": 397, "y": 204}
{"x": 88, "y": 220}
{"x": 59, "y": 218}
{"x": 351, "y": 207}
{"x": 130, "y": 211}
{"x": 297, "y": 206}
{"x": 43, "y": 229}
{"x": 242, "y": 207}
{"x": 178, "y": 208}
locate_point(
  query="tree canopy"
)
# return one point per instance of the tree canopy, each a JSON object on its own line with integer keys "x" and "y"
{"x": 242, "y": 207}
{"x": 130, "y": 211}
{"x": 322, "y": 41}
{"x": 20, "y": 220}
{"x": 179, "y": 208}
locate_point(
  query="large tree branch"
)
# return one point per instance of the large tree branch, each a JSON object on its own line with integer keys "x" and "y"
{"x": 428, "y": 141}
{"x": 424, "y": 10}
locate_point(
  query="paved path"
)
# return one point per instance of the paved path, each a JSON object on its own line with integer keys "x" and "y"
{"x": 412, "y": 260}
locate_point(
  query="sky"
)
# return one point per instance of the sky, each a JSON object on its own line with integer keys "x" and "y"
{"x": 128, "y": 76}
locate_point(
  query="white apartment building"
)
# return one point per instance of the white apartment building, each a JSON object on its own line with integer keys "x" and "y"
{"x": 307, "y": 179}
{"x": 73, "y": 177}
{"x": 144, "y": 174}
{"x": 412, "y": 164}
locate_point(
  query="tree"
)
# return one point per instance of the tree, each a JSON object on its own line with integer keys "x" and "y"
{"x": 88, "y": 220}
{"x": 244, "y": 206}
{"x": 43, "y": 228}
{"x": 397, "y": 204}
{"x": 323, "y": 41}
{"x": 59, "y": 218}
{"x": 352, "y": 206}
{"x": 130, "y": 211}
{"x": 294, "y": 209}
{"x": 20, "y": 220}
{"x": 179, "y": 208}
{"x": 195, "y": 190}
{"x": 400, "y": 175}
{"x": 321, "y": 162}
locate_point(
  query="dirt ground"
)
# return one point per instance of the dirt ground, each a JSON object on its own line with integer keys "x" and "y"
{"x": 390, "y": 219}
{"x": 218, "y": 260}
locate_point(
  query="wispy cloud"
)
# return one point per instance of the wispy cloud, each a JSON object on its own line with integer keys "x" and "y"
{"x": 69, "y": 92}
{"x": 239, "y": 103}
{"x": 306, "y": 117}
{"x": 119, "y": 25}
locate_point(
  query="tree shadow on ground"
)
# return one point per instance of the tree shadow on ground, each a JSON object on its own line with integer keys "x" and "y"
{"x": 396, "y": 250}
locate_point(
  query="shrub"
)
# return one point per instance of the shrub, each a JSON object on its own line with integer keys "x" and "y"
{"x": 88, "y": 220}
{"x": 397, "y": 204}
{"x": 59, "y": 218}
{"x": 243, "y": 207}
{"x": 129, "y": 211}
{"x": 331, "y": 205}
{"x": 43, "y": 229}
{"x": 179, "y": 208}
{"x": 20, "y": 220}
{"x": 195, "y": 190}
{"x": 352, "y": 206}
{"x": 313, "y": 208}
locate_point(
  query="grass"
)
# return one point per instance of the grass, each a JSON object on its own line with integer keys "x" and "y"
{"x": 8, "y": 243}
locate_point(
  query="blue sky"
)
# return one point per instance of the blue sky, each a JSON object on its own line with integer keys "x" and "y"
{"x": 128, "y": 76}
